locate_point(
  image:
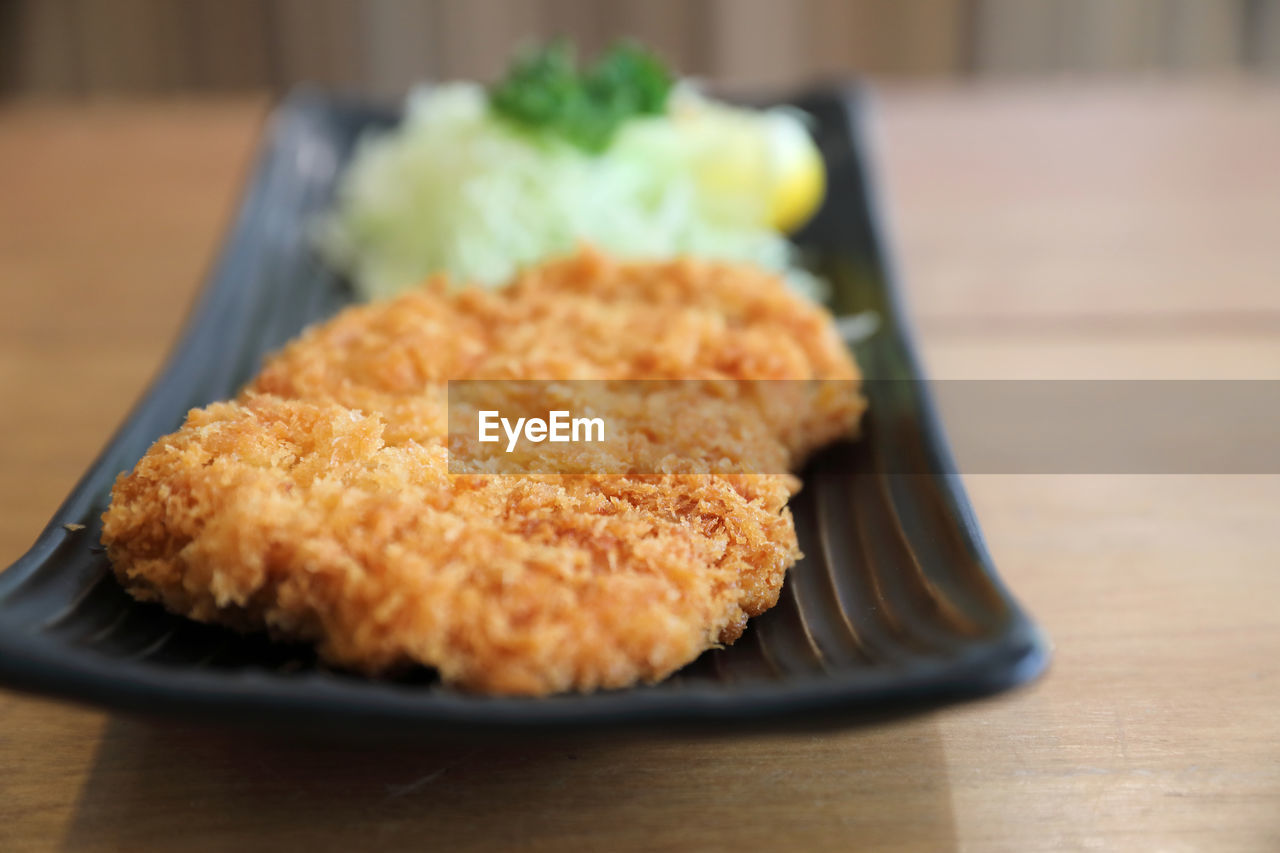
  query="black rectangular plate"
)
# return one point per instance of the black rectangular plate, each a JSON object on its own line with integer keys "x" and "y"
{"x": 895, "y": 603}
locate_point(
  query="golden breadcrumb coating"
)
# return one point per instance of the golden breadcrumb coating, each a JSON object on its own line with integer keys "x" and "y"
{"x": 320, "y": 506}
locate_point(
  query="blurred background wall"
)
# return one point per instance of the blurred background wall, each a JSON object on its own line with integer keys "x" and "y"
{"x": 91, "y": 47}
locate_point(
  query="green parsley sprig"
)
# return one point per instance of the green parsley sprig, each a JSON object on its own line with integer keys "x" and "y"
{"x": 543, "y": 90}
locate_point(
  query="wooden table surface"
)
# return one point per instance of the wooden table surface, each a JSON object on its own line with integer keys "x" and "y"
{"x": 1067, "y": 232}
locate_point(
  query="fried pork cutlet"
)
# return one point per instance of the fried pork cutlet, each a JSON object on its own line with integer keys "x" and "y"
{"x": 319, "y": 505}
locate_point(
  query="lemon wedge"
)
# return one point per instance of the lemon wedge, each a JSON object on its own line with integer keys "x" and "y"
{"x": 797, "y": 176}
{"x": 753, "y": 166}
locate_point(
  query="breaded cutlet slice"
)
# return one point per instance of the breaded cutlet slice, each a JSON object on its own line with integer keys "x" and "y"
{"x": 584, "y": 317}
{"x": 319, "y": 506}
{"x": 296, "y": 517}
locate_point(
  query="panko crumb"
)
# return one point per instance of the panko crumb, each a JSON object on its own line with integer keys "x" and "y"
{"x": 318, "y": 505}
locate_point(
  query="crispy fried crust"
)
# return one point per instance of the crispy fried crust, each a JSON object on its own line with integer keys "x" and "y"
{"x": 319, "y": 504}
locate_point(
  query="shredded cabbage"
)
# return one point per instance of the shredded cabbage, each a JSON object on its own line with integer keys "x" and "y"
{"x": 458, "y": 190}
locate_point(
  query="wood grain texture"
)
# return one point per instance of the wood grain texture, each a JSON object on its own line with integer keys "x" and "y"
{"x": 1142, "y": 249}
{"x": 108, "y": 218}
{"x": 381, "y": 47}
